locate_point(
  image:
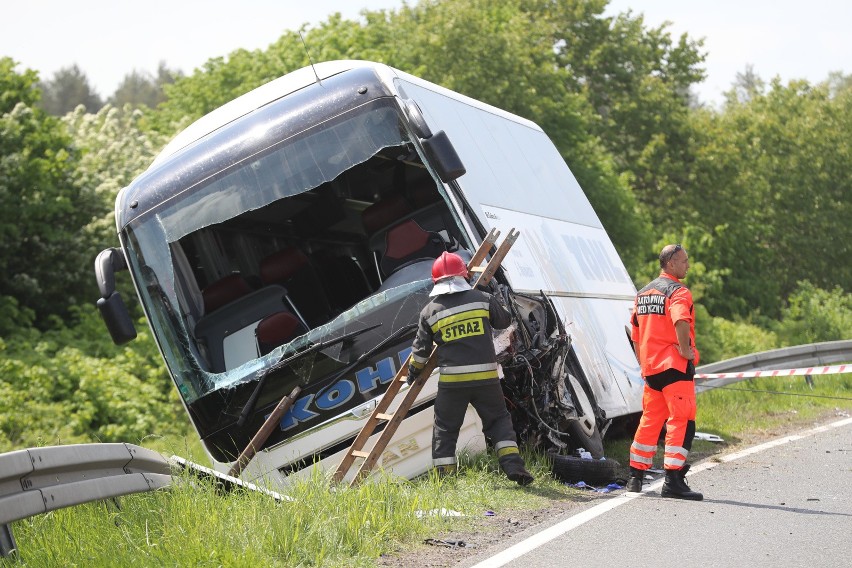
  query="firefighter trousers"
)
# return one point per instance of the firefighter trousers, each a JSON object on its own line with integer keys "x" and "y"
{"x": 487, "y": 400}
{"x": 669, "y": 398}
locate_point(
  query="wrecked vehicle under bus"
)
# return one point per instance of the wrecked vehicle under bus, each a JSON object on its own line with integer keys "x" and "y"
{"x": 293, "y": 246}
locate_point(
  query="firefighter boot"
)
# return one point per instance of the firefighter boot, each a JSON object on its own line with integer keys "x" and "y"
{"x": 675, "y": 485}
{"x": 634, "y": 484}
{"x": 447, "y": 470}
{"x": 516, "y": 470}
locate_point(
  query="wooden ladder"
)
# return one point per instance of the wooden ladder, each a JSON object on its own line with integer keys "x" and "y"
{"x": 380, "y": 413}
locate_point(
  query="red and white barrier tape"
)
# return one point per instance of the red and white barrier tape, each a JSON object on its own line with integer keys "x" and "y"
{"x": 828, "y": 370}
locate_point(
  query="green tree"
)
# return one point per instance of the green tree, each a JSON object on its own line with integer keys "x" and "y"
{"x": 723, "y": 210}
{"x": 141, "y": 88}
{"x": 221, "y": 80}
{"x": 504, "y": 53}
{"x": 777, "y": 170}
{"x": 638, "y": 81}
{"x": 114, "y": 146}
{"x": 747, "y": 85}
{"x": 68, "y": 88}
{"x": 720, "y": 339}
{"x": 811, "y": 182}
{"x": 17, "y": 87}
{"x": 136, "y": 89}
{"x": 41, "y": 207}
{"x": 814, "y": 314}
{"x": 837, "y": 82}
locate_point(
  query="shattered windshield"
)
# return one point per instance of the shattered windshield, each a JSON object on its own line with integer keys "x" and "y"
{"x": 308, "y": 161}
{"x": 326, "y": 233}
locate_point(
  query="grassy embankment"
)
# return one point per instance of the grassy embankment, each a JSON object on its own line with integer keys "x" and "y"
{"x": 194, "y": 525}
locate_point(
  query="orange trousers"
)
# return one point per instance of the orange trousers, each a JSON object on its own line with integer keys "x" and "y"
{"x": 674, "y": 406}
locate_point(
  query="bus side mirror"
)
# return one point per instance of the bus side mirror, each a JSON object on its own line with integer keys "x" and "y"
{"x": 443, "y": 157}
{"x": 112, "y": 308}
{"x": 117, "y": 319}
{"x": 416, "y": 119}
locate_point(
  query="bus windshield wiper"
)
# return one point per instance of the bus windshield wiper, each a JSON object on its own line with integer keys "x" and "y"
{"x": 284, "y": 361}
{"x": 369, "y": 353}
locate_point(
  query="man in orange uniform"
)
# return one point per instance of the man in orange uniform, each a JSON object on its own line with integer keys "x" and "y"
{"x": 663, "y": 334}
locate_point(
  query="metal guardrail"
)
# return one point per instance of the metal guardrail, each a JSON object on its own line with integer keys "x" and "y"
{"x": 223, "y": 480}
{"x": 38, "y": 480}
{"x": 810, "y": 355}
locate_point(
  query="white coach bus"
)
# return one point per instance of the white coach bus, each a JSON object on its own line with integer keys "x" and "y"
{"x": 287, "y": 238}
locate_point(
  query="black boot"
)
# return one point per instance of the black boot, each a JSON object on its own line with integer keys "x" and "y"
{"x": 634, "y": 484}
{"x": 675, "y": 485}
{"x": 516, "y": 470}
{"x": 520, "y": 476}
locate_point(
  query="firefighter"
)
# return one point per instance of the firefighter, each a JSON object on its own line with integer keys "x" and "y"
{"x": 663, "y": 334}
{"x": 459, "y": 320}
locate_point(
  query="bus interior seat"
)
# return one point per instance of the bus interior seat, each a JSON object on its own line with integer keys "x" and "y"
{"x": 386, "y": 212}
{"x": 291, "y": 268}
{"x": 423, "y": 192}
{"x": 400, "y": 206}
{"x": 224, "y": 291}
{"x": 400, "y": 221}
{"x": 418, "y": 270}
{"x": 277, "y": 329}
{"x": 343, "y": 279}
{"x": 407, "y": 243}
{"x": 228, "y": 334}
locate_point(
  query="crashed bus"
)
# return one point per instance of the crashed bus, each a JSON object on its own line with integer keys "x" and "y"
{"x": 286, "y": 239}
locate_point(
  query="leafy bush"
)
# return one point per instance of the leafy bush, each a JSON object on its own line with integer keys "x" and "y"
{"x": 51, "y": 392}
{"x": 13, "y": 317}
{"x": 719, "y": 339}
{"x": 813, "y": 314}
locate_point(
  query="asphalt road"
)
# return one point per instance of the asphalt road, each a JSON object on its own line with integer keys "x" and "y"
{"x": 784, "y": 503}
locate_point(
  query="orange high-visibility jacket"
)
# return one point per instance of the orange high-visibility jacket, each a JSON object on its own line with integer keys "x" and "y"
{"x": 658, "y": 306}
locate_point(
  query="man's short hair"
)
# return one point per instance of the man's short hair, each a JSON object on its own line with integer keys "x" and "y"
{"x": 667, "y": 253}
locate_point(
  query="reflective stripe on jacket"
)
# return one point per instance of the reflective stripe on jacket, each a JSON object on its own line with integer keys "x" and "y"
{"x": 658, "y": 306}
{"x": 460, "y": 324}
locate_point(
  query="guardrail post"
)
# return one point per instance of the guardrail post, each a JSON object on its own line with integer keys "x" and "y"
{"x": 7, "y": 541}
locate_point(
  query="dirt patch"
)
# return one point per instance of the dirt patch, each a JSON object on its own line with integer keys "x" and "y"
{"x": 485, "y": 533}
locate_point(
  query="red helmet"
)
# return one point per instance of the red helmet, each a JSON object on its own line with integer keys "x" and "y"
{"x": 448, "y": 264}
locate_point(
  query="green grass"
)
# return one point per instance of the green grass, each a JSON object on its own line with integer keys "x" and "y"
{"x": 194, "y": 524}
{"x": 766, "y": 404}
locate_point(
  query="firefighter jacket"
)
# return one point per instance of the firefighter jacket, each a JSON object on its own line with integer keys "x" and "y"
{"x": 460, "y": 324}
{"x": 658, "y": 306}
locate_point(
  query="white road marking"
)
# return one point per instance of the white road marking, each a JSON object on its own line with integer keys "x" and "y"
{"x": 545, "y": 536}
